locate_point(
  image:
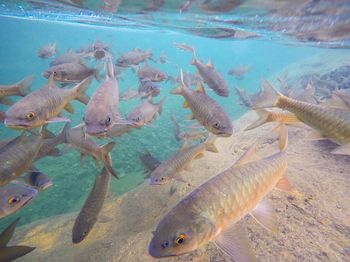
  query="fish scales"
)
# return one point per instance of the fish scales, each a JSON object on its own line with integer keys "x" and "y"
{"x": 334, "y": 122}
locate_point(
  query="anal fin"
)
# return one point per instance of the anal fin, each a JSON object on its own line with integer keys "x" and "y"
{"x": 264, "y": 214}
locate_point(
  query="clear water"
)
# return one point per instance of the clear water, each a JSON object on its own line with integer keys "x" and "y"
{"x": 26, "y": 27}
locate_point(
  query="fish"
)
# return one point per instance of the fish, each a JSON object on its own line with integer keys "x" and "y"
{"x": 13, "y": 252}
{"x": 47, "y": 51}
{"x": 145, "y": 113}
{"x": 163, "y": 58}
{"x": 189, "y": 79}
{"x": 344, "y": 96}
{"x": 120, "y": 129}
{"x": 21, "y": 88}
{"x": 14, "y": 197}
{"x": 148, "y": 88}
{"x": 2, "y": 116}
{"x": 69, "y": 57}
{"x": 18, "y": 155}
{"x": 181, "y": 160}
{"x": 129, "y": 94}
{"x": 244, "y": 99}
{"x": 184, "y": 136}
{"x": 239, "y": 71}
{"x": 149, "y": 162}
{"x": 102, "y": 110}
{"x": 306, "y": 95}
{"x": 268, "y": 115}
{"x": 153, "y": 74}
{"x": 209, "y": 74}
{"x": 134, "y": 57}
{"x": 210, "y": 212}
{"x": 99, "y": 50}
{"x": 71, "y": 72}
{"x": 45, "y": 105}
{"x": 88, "y": 214}
{"x": 328, "y": 122}
{"x": 205, "y": 110}
{"x": 36, "y": 180}
{"x": 87, "y": 146}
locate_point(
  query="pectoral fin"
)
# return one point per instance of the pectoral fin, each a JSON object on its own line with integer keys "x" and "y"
{"x": 315, "y": 135}
{"x": 200, "y": 155}
{"x": 263, "y": 213}
{"x": 234, "y": 242}
{"x": 249, "y": 156}
{"x": 186, "y": 104}
{"x": 342, "y": 150}
{"x": 284, "y": 185}
{"x": 7, "y": 233}
{"x": 189, "y": 167}
{"x": 69, "y": 108}
{"x": 190, "y": 117}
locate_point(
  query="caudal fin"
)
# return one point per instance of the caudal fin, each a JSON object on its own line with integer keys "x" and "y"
{"x": 263, "y": 115}
{"x": 81, "y": 88}
{"x": 179, "y": 90}
{"x": 63, "y": 134}
{"x": 24, "y": 85}
{"x": 283, "y": 138}
{"x": 210, "y": 144}
{"x": 267, "y": 97}
{"x": 106, "y": 158}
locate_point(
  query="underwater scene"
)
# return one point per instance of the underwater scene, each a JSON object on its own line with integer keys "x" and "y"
{"x": 192, "y": 130}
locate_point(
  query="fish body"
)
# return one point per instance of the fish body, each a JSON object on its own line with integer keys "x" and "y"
{"x": 119, "y": 129}
{"x": 151, "y": 73}
{"x": 87, "y": 146}
{"x": 181, "y": 160}
{"x": 17, "y": 156}
{"x": 102, "y": 110}
{"x": 37, "y": 180}
{"x": 44, "y": 105}
{"x": 239, "y": 71}
{"x": 70, "y": 72}
{"x": 243, "y": 97}
{"x": 133, "y": 57}
{"x": 47, "y": 51}
{"x": 209, "y": 213}
{"x": 14, "y": 197}
{"x": 148, "y": 88}
{"x": 129, "y": 94}
{"x": 145, "y": 113}
{"x": 21, "y": 88}
{"x": 13, "y": 252}
{"x": 89, "y": 213}
{"x": 205, "y": 110}
{"x": 183, "y": 136}
{"x": 69, "y": 57}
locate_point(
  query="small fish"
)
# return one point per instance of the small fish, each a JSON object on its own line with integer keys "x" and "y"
{"x": 209, "y": 74}
{"x": 151, "y": 73}
{"x": 44, "y": 105}
{"x": 163, "y": 58}
{"x": 148, "y": 88}
{"x": 91, "y": 209}
{"x": 182, "y": 159}
{"x": 185, "y": 136}
{"x": 210, "y": 212}
{"x": 243, "y": 97}
{"x": 149, "y": 162}
{"x": 134, "y": 57}
{"x": 102, "y": 110}
{"x": 184, "y": 47}
{"x": 344, "y": 95}
{"x": 21, "y": 88}
{"x": 69, "y": 57}
{"x": 14, "y": 197}
{"x": 87, "y": 146}
{"x": 99, "y": 49}
{"x": 37, "y": 180}
{"x": 329, "y": 122}
{"x": 145, "y": 113}
{"x": 119, "y": 129}
{"x": 205, "y": 110}
{"x": 239, "y": 71}
{"x": 13, "y": 252}
{"x": 71, "y": 72}
{"x": 129, "y": 94}
{"x": 47, "y": 51}
{"x": 268, "y": 115}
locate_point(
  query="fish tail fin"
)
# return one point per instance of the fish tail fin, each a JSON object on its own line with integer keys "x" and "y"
{"x": 106, "y": 158}
{"x": 24, "y": 85}
{"x": 268, "y": 96}
{"x": 64, "y": 132}
{"x": 14, "y": 252}
{"x": 81, "y": 88}
{"x": 7, "y": 234}
{"x": 283, "y": 138}
{"x": 210, "y": 144}
{"x": 160, "y": 106}
{"x": 263, "y": 115}
{"x": 179, "y": 90}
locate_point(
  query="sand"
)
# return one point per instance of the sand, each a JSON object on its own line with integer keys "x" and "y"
{"x": 314, "y": 224}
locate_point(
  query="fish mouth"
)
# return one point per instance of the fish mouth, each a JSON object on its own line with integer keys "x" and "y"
{"x": 15, "y": 126}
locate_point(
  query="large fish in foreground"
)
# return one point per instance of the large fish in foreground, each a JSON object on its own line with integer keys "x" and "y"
{"x": 89, "y": 213}
{"x": 211, "y": 211}
{"x": 330, "y": 122}
{"x": 205, "y": 110}
{"x": 181, "y": 160}
{"x": 13, "y": 252}
{"x": 44, "y": 105}
{"x": 20, "y": 88}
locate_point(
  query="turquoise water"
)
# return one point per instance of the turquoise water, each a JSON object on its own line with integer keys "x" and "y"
{"x": 72, "y": 181}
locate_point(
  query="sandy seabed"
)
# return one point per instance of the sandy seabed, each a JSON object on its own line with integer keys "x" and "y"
{"x": 314, "y": 224}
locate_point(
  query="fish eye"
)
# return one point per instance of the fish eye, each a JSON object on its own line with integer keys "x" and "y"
{"x": 30, "y": 115}
{"x": 180, "y": 239}
{"x": 13, "y": 200}
{"x": 84, "y": 233}
{"x": 108, "y": 120}
{"x": 162, "y": 179}
{"x": 165, "y": 244}
{"x": 216, "y": 125}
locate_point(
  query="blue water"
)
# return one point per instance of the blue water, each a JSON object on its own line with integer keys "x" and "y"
{"x": 20, "y": 40}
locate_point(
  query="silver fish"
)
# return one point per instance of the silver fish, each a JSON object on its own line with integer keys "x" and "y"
{"x": 133, "y": 57}
{"x": 47, "y": 51}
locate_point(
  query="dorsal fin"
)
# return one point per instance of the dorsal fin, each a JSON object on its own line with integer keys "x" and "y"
{"x": 51, "y": 82}
{"x": 210, "y": 64}
{"x": 249, "y": 156}
{"x": 200, "y": 87}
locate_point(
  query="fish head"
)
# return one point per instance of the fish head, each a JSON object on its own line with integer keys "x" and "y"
{"x": 99, "y": 53}
{"x": 24, "y": 115}
{"x": 220, "y": 125}
{"x": 136, "y": 117}
{"x": 159, "y": 177}
{"x": 59, "y": 74}
{"x": 80, "y": 231}
{"x": 97, "y": 122}
{"x": 122, "y": 62}
{"x": 174, "y": 235}
{"x": 14, "y": 197}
